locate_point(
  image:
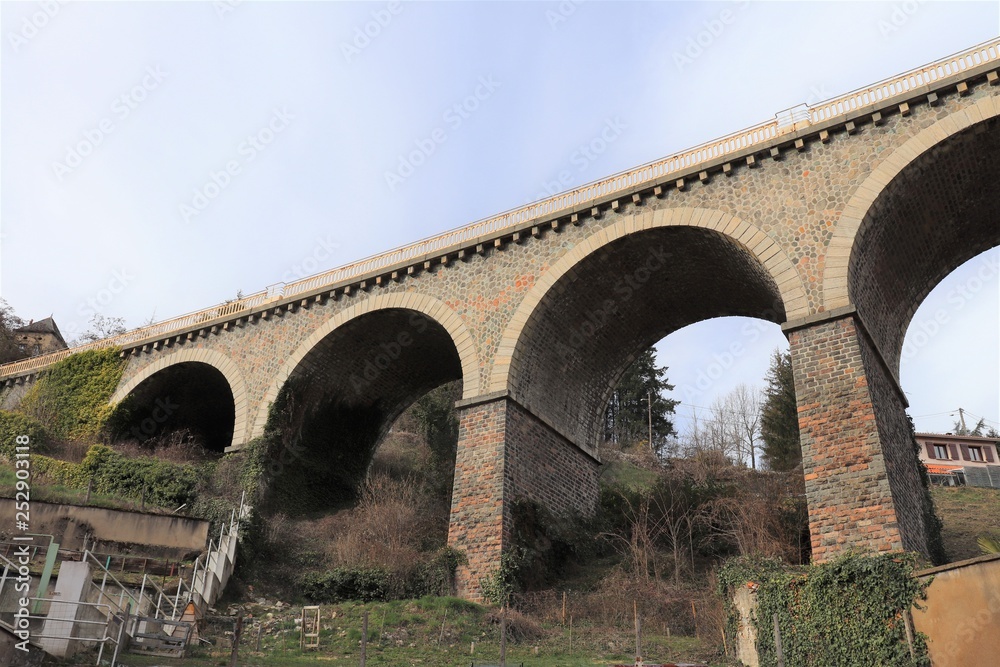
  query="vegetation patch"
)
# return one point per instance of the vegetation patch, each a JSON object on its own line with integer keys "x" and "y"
{"x": 109, "y": 473}
{"x": 849, "y": 611}
{"x": 72, "y": 397}
{"x": 12, "y": 425}
{"x": 967, "y": 513}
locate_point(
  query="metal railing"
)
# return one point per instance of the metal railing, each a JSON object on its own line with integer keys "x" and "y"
{"x": 105, "y": 626}
{"x": 621, "y": 183}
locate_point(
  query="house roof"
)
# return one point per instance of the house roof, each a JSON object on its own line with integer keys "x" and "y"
{"x": 48, "y": 325}
{"x": 934, "y": 469}
{"x": 944, "y": 437}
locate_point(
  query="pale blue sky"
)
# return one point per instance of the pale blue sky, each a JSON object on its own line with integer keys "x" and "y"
{"x": 109, "y": 229}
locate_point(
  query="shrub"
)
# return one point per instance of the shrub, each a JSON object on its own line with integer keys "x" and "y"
{"x": 345, "y": 583}
{"x": 62, "y": 473}
{"x": 164, "y": 484}
{"x": 13, "y": 425}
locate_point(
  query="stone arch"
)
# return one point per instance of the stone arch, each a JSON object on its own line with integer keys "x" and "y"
{"x": 838, "y": 256}
{"x": 931, "y": 208}
{"x": 429, "y": 306}
{"x": 220, "y": 362}
{"x": 768, "y": 252}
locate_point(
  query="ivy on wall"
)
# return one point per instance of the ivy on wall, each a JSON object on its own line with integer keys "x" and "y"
{"x": 849, "y": 611}
{"x": 12, "y": 425}
{"x": 72, "y": 396}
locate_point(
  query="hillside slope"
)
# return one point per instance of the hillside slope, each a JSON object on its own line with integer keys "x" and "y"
{"x": 966, "y": 513}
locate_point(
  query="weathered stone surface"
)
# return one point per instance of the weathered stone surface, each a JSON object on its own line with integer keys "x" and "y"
{"x": 860, "y": 221}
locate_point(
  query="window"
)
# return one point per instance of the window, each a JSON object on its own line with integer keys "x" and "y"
{"x": 940, "y": 452}
{"x": 975, "y": 453}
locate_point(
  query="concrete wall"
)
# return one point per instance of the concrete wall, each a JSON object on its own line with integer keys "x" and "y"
{"x": 70, "y": 522}
{"x": 961, "y": 615}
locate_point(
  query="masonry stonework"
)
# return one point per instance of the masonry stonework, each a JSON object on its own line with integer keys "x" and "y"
{"x": 860, "y": 215}
{"x": 849, "y": 498}
{"x": 506, "y": 454}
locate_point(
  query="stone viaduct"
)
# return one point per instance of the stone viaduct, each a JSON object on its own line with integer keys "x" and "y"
{"x": 834, "y": 221}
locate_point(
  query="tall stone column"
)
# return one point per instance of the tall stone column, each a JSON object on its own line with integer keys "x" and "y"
{"x": 861, "y": 472}
{"x": 506, "y": 453}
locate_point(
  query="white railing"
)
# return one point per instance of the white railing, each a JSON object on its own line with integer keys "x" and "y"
{"x": 904, "y": 83}
{"x": 621, "y": 183}
{"x": 213, "y": 569}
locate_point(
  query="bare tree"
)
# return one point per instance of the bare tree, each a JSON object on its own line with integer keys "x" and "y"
{"x": 744, "y": 410}
{"x": 732, "y": 427}
{"x": 102, "y": 327}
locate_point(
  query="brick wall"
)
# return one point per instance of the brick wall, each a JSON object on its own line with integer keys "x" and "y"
{"x": 901, "y": 461}
{"x": 546, "y": 468}
{"x": 850, "y": 501}
{"x": 477, "y": 525}
{"x": 506, "y": 453}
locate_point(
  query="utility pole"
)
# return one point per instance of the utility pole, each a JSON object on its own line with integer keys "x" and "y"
{"x": 961, "y": 420}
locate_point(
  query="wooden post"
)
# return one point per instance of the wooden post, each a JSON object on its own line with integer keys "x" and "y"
{"x": 503, "y": 636}
{"x": 694, "y": 612}
{"x": 364, "y": 638}
{"x": 443, "y": 621}
{"x": 638, "y": 633}
{"x": 237, "y": 631}
{"x": 908, "y": 624}
{"x": 777, "y": 643}
{"x": 564, "y": 609}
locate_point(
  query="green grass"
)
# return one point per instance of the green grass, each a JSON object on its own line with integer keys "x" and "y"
{"x": 627, "y": 474}
{"x": 966, "y": 513}
{"x": 436, "y": 632}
